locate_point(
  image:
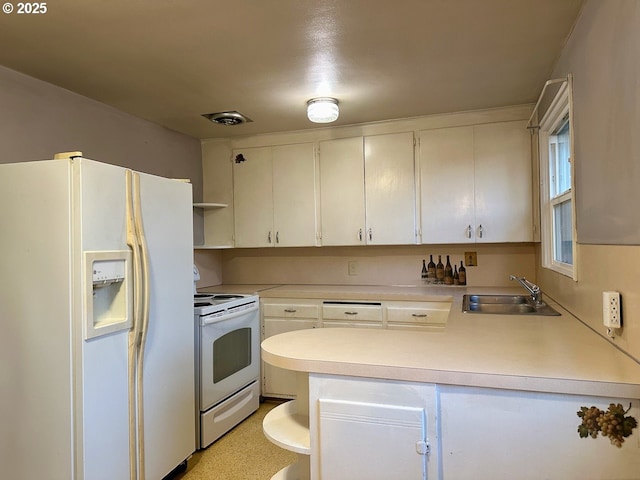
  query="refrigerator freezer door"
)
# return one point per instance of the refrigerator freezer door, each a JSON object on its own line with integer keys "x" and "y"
{"x": 99, "y": 226}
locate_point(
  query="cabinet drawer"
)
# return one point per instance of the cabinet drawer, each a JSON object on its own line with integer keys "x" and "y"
{"x": 432, "y": 313}
{"x": 289, "y": 310}
{"x": 352, "y": 311}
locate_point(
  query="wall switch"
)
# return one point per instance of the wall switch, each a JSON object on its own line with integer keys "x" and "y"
{"x": 611, "y": 311}
{"x": 353, "y": 267}
{"x": 470, "y": 259}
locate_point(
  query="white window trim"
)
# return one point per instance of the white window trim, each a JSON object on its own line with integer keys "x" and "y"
{"x": 561, "y": 105}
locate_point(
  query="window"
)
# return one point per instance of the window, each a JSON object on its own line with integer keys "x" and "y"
{"x": 556, "y": 193}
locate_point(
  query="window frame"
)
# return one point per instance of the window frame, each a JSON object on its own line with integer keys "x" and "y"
{"x": 559, "y": 112}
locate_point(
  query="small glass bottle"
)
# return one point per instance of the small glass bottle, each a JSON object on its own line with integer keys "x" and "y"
{"x": 424, "y": 271}
{"x": 439, "y": 270}
{"x": 448, "y": 273}
{"x": 462, "y": 274}
{"x": 431, "y": 271}
{"x": 456, "y": 276}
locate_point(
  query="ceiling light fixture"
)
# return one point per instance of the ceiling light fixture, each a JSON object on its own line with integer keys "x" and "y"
{"x": 323, "y": 110}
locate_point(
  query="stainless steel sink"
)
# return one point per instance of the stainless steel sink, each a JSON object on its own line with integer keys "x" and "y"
{"x": 505, "y": 305}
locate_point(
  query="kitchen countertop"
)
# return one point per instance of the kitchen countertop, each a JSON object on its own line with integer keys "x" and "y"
{"x": 556, "y": 354}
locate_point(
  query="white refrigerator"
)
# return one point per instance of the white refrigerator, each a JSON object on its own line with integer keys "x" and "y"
{"x": 90, "y": 389}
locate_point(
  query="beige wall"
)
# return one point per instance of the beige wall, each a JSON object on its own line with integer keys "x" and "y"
{"x": 602, "y": 55}
{"x": 391, "y": 265}
{"x": 38, "y": 119}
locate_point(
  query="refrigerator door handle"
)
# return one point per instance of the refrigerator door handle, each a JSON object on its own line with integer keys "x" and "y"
{"x": 144, "y": 319}
{"x": 132, "y": 241}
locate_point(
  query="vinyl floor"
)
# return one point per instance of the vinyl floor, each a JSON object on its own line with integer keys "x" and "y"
{"x": 244, "y": 453}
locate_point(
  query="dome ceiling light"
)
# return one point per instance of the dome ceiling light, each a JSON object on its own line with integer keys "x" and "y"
{"x": 323, "y": 110}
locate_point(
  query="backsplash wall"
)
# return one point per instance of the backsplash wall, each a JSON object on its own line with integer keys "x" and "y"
{"x": 375, "y": 265}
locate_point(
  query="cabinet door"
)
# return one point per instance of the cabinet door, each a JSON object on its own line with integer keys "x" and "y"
{"x": 503, "y": 186}
{"x": 342, "y": 191}
{"x": 352, "y": 442}
{"x": 447, "y": 185}
{"x": 253, "y": 197}
{"x": 294, "y": 195}
{"x": 390, "y": 189}
{"x": 277, "y": 382}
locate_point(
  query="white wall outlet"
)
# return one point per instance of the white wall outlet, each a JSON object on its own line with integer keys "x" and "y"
{"x": 611, "y": 311}
{"x": 353, "y": 267}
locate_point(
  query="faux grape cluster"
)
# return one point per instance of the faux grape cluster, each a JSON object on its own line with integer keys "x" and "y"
{"x": 613, "y": 423}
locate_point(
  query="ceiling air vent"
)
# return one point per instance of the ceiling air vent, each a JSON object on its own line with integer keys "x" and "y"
{"x": 227, "y": 118}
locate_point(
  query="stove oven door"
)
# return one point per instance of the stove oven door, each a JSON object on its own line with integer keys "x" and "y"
{"x": 229, "y": 354}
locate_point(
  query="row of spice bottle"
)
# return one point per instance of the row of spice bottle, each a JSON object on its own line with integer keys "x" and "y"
{"x": 443, "y": 274}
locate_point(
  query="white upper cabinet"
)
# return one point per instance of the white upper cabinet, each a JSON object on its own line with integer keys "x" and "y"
{"x": 274, "y": 196}
{"x": 447, "y": 185}
{"x": 294, "y": 195}
{"x": 367, "y": 193}
{"x": 503, "y": 182}
{"x": 390, "y": 189}
{"x": 342, "y": 191}
{"x": 476, "y": 184}
{"x": 253, "y": 196}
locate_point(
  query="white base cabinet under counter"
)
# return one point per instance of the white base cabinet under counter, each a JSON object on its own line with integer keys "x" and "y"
{"x": 363, "y": 428}
{"x": 280, "y": 316}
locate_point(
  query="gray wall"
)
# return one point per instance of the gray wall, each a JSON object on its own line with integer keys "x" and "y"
{"x": 38, "y": 119}
{"x": 603, "y": 54}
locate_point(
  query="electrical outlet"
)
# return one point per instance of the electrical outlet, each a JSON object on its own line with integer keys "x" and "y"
{"x": 353, "y": 267}
{"x": 611, "y": 311}
{"x": 470, "y": 259}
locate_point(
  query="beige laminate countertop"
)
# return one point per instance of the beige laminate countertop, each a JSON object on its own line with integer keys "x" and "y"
{"x": 534, "y": 353}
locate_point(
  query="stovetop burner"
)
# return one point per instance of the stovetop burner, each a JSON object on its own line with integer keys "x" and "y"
{"x": 206, "y": 303}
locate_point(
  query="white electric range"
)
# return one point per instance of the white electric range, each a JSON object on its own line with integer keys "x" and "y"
{"x": 227, "y": 362}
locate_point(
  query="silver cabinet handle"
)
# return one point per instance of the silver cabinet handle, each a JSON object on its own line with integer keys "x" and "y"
{"x": 269, "y": 237}
{"x": 277, "y": 237}
{"x": 350, "y": 313}
{"x": 419, "y": 315}
{"x": 480, "y": 231}
{"x": 469, "y": 231}
{"x": 290, "y": 310}
{"x": 370, "y": 234}
{"x": 360, "y": 234}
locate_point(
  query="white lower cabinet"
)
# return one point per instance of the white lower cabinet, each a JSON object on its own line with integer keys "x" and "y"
{"x": 352, "y": 314}
{"x": 372, "y": 429}
{"x": 353, "y": 428}
{"x": 428, "y": 316}
{"x": 503, "y": 434}
{"x": 281, "y": 316}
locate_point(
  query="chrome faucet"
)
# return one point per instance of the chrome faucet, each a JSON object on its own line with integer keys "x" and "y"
{"x": 532, "y": 288}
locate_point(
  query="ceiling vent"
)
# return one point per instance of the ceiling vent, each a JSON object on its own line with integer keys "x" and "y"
{"x": 227, "y": 118}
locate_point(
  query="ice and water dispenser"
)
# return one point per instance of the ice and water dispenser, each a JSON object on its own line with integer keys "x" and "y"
{"x": 108, "y": 292}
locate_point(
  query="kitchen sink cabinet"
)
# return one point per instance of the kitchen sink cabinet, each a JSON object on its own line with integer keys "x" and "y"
{"x": 280, "y": 316}
{"x": 274, "y": 196}
{"x": 367, "y": 190}
{"x": 476, "y": 184}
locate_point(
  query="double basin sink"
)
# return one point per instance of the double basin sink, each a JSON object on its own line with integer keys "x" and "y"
{"x": 505, "y": 305}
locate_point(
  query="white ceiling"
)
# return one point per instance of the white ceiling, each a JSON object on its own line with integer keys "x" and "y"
{"x": 170, "y": 61}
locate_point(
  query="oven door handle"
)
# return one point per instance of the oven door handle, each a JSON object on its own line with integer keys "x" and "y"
{"x": 223, "y": 318}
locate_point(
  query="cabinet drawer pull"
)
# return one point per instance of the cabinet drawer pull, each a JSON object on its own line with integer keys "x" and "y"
{"x": 350, "y": 313}
{"x": 290, "y": 310}
{"x": 469, "y": 231}
{"x": 480, "y": 231}
{"x": 419, "y": 315}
